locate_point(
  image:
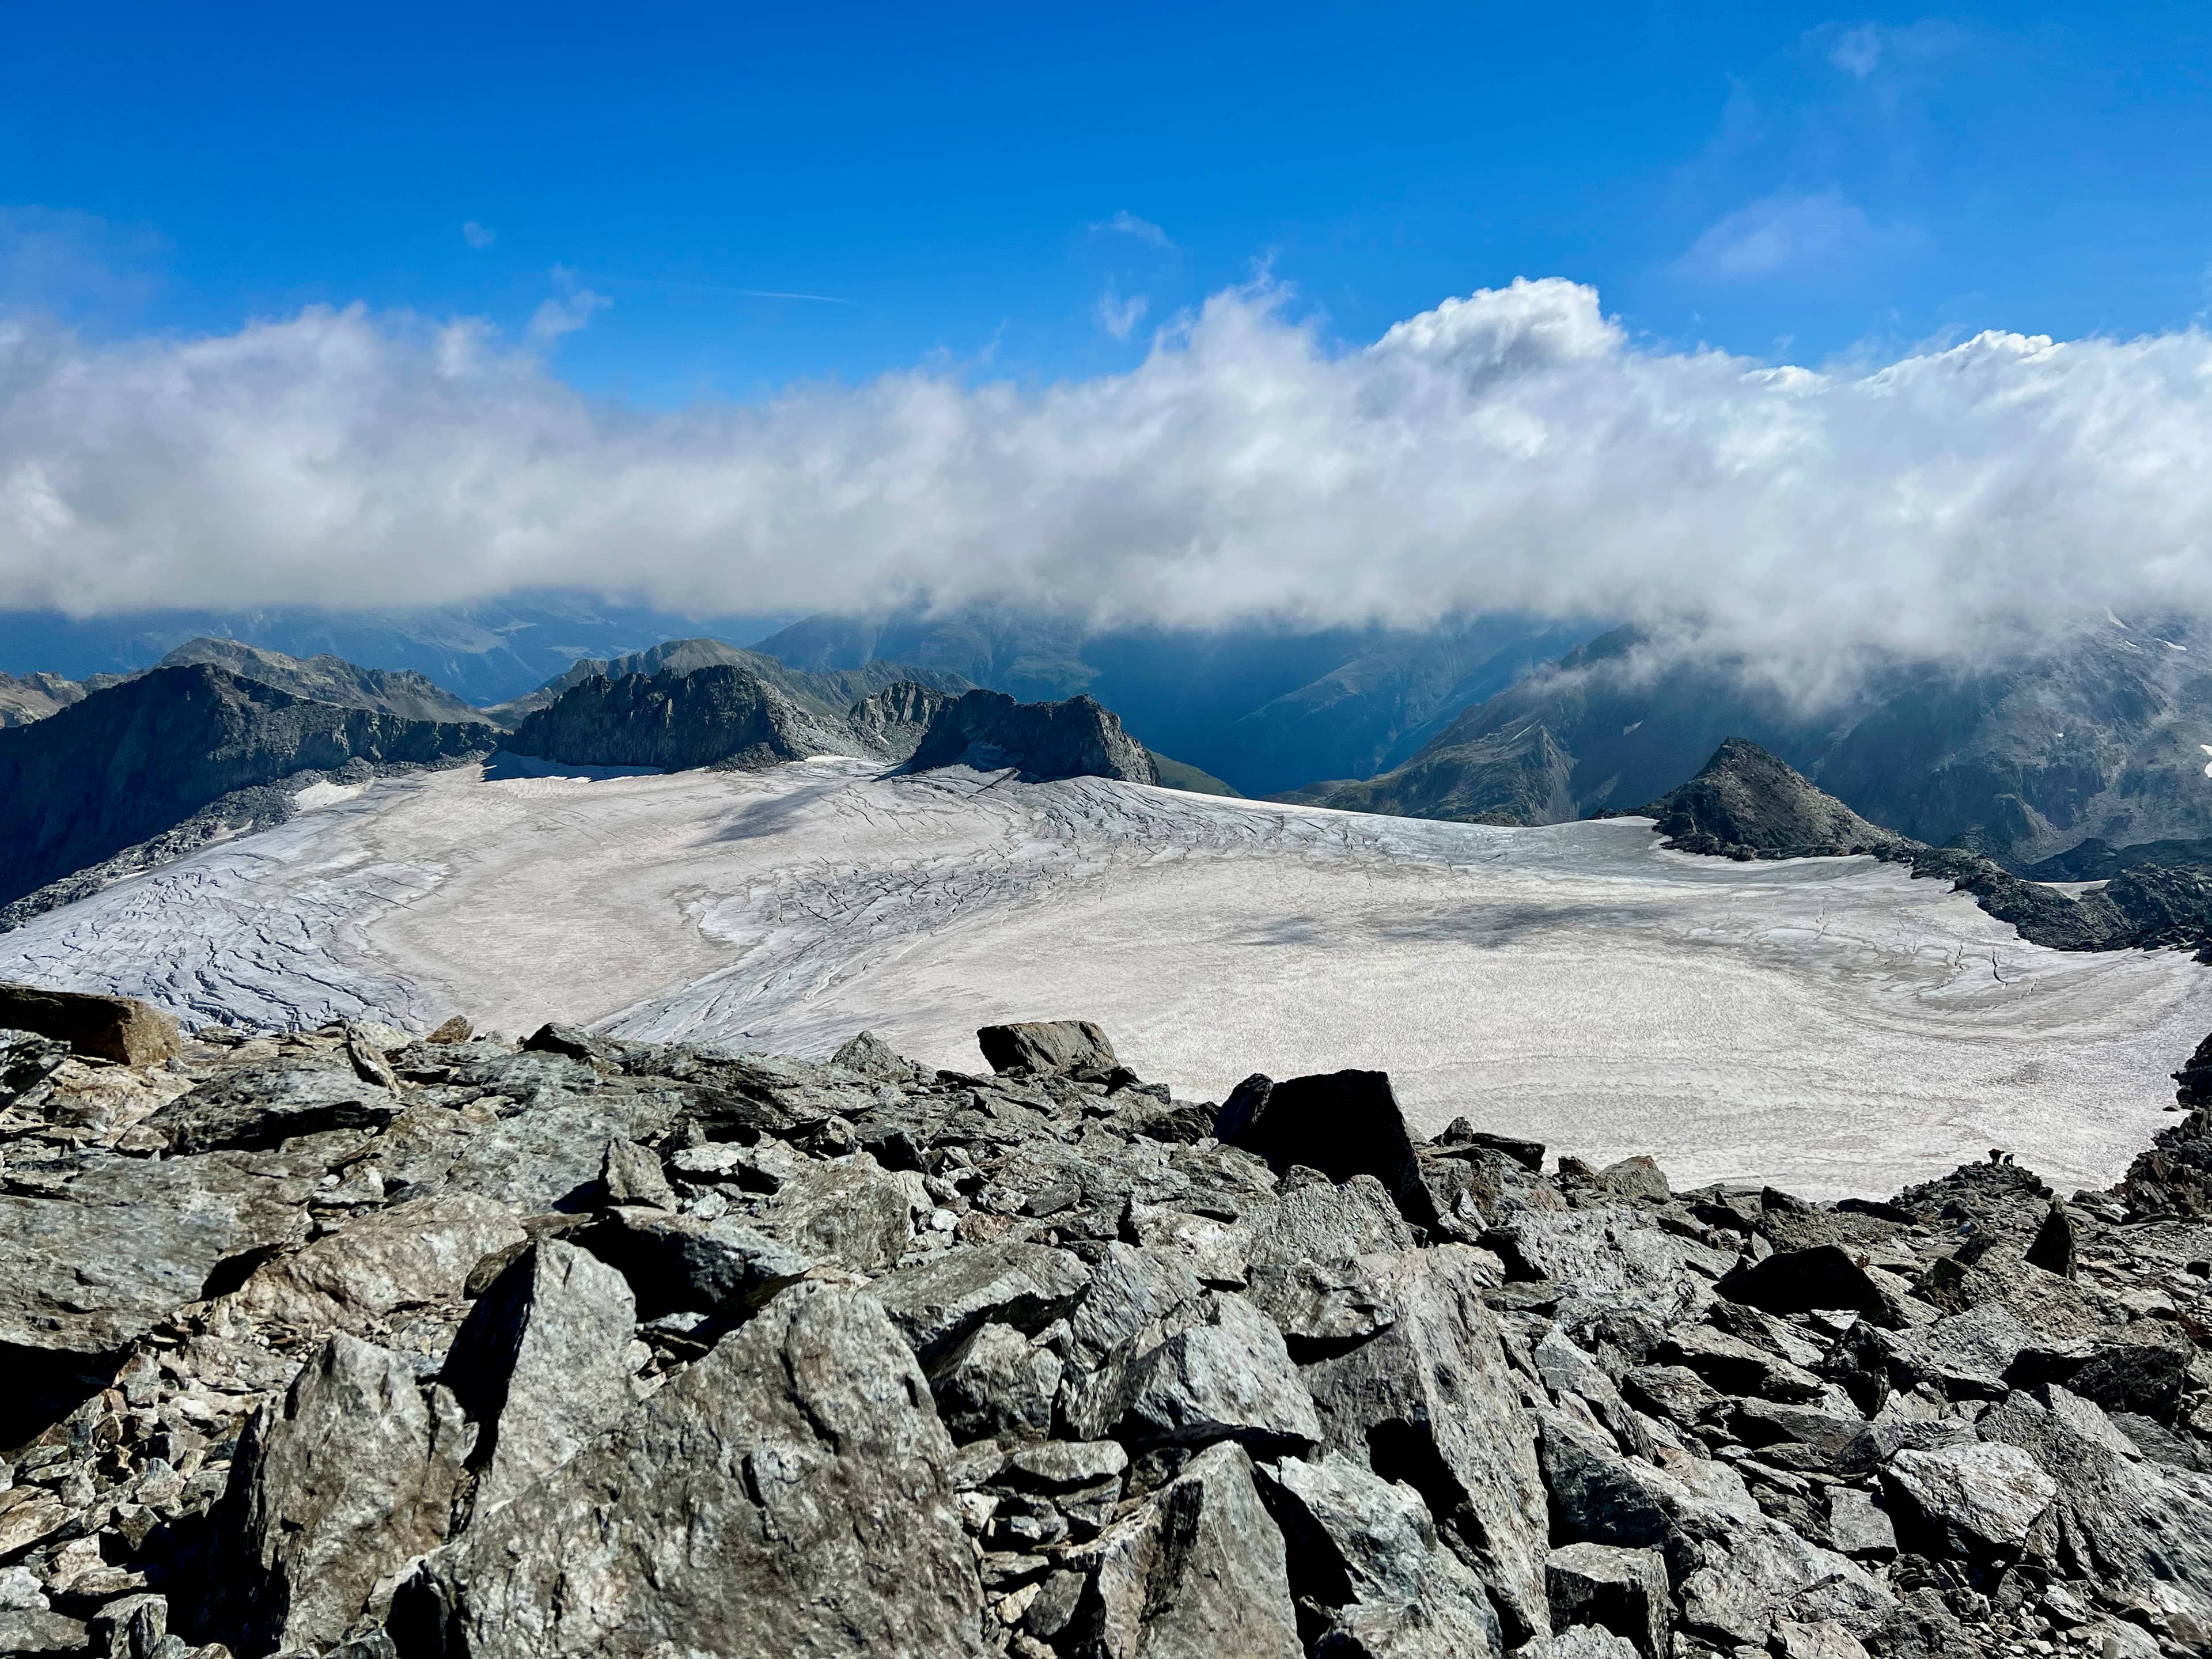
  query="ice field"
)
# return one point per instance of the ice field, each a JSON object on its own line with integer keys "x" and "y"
{"x": 1830, "y": 1025}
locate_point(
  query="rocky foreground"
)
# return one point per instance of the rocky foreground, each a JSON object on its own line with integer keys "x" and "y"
{"x": 351, "y": 1342}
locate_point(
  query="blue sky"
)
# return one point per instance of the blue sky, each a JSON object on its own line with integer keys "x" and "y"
{"x": 1779, "y": 181}
{"x": 1194, "y": 316}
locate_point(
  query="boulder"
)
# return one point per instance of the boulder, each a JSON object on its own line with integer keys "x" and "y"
{"x": 1610, "y": 1254}
{"x": 262, "y": 1106}
{"x": 121, "y": 1028}
{"x": 1363, "y": 1553}
{"x": 1047, "y": 1045}
{"x": 848, "y": 1213}
{"x": 1229, "y": 1378}
{"x": 998, "y": 1384}
{"x": 1342, "y": 1123}
{"x": 541, "y": 1364}
{"x": 1307, "y": 1266}
{"x": 1429, "y": 1400}
{"x": 630, "y": 1174}
{"x": 790, "y": 1492}
{"x": 1198, "y": 1571}
{"x": 1857, "y": 1526}
{"x": 1977, "y": 1498}
{"x": 1624, "y": 1590}
{"x": 422, "y": 1251}
{"x": 678, "y": 1263}
{"x": 1136, "y": 1301}
{"x": 936, "y": 1304}
{"x": 1800, "y": 1281}
{"x": 335, "y": 1488}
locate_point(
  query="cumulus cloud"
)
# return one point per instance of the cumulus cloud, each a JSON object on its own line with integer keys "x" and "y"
{"x": 1512, "y": 451}
{"x": 477, "y": 236}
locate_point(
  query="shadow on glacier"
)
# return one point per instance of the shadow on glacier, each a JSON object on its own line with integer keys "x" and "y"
{"x": 504, "y": 767}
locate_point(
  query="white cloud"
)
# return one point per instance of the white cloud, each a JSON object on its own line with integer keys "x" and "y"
{"x": 1858, "y": 52}
{"x": 1119, "y": 317}
{"x": 1127, "y": 223}
{"x": 1513, "y": 450}
{"x": 1785, "y": 232}
{"x": 565, "y": 315}
{"x": 477, "y": 236}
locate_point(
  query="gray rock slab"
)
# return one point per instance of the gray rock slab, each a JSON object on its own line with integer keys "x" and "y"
{"x": 788, "y": 1493}
{"x": 415, "y": 1253}
{"x": 936, "y": 1303}
{"x": 336, "y": 1487}
{"x": 541, "y": 1364}
{"x": 1430, "y": 1400}
{"x": 1227, "y": 1378}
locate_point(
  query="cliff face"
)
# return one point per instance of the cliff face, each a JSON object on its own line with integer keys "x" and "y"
{"x": 1070, "y": 739}
{"x": 723, "y": 715}
{"x": 129, "y": 762}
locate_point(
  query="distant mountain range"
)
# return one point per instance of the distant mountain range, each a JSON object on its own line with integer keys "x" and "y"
{"x": 2103, "y": 734}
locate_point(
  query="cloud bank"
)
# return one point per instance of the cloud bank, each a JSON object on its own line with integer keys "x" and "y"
{"x": 1513, "y": 451}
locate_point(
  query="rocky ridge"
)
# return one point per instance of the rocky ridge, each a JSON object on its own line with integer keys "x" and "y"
{"x": 1747, "y": 805}
{"x": 356, "y": 1342}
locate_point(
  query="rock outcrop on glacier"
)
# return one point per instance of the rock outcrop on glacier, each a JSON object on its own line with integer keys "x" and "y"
{"x": 354, "y": 1342}
{"x": 1042, "y": 740}
{"x": 722, "y": 715}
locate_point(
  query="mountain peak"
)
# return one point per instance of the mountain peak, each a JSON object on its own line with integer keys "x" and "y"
{"x": 1747, "y": 803}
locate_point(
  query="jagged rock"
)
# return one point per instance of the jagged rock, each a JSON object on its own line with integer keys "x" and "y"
{"x": 24, "y": 1631}
{"x": 869, "y": 1055}
{"x": 1197, "y": 1572}
{"x": 1624, "y": 1590}
{"x": 1363, "y": 1556}
{"x": 938, "y": 1304}
{"x": 92, "y": 1268}
{"x": 1229, "y": 1378}
{"x": 418, "y": 1252}
{"x": 1429, "y": 1400}
{"x": 1342, "y": 1123}
{"x": 121, "y": 1029}
{"x": 997, "y": 1383}
{"x": 1804, "y": 1437}
{"x": 1044, "y": 740}
{"x": 1306, "y": 1268}
{"x": 2133, "y": 1526}
{"x": 1136, "y": 1301}
{"x": 258, "y": 1107}
{"x": 454, "y": 1028}
{"x": 1735, "y": 1366}
{"x": 1590, "y": 1642}
{"x": 1981, "y": 1497}
{"x": 1966, "y": 1354}
{"x": 541, "y": 1364}
{"x": 630, "y": 1174}
{"x": 1857, "y": 1527}
{"x": 848, "y": 1214}
{"x": 790, "y": 1492}
{"x": 1612, "y": 1254}
{"x": 1799, "y": 1281}
{"x": 680, "y": 1262}
{"x": 335, "y": 1488}
{"x": 1047, "y": 1045}
{"x": 1823, "y": 1640}
{"x": 2174, "y": 1177}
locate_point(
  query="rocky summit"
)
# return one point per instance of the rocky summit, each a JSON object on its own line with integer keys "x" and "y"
{"x": 356, "y": 1342}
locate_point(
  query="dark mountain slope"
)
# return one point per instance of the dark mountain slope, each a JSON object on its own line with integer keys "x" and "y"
{"x": 1517, "y": 777}
{"x": 328, "y": 679}
{"x": 1746, "y": 804}
{"x": 1073, "y": 739}
{"x": 724, "y": 716}
{"x": 2101, "y": 734}
{"x": 827, "y": 693}
{"x": 130, "y": 763}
